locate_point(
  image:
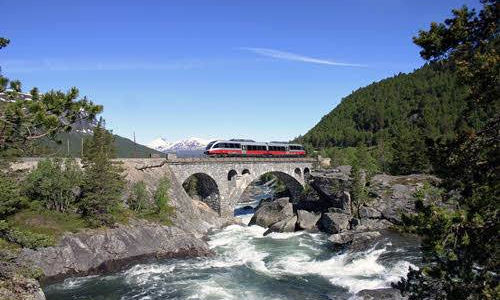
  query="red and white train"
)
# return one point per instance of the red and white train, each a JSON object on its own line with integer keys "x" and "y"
{"x": 238, "y": 147}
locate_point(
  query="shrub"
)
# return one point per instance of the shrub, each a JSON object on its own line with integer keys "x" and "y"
{"x": 24, "y": 238}
{"x": 10, "y": 197}
{"x": 55, "y": 184}
{"x": 139, "y": 197}
{"x": 162, "y": 210}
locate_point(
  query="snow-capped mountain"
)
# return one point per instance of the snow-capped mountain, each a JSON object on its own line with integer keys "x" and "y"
{"x": 188, "y": 144}
{"x": 159, "y": 144}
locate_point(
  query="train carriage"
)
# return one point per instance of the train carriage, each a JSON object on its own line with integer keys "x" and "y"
{"x": 250, "y": 148}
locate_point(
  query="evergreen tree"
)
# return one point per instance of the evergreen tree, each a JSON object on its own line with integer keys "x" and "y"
{"x": 409, "y": 151}
{"x": 460, "y": 246}
{"x": 102, "y": 181}
{"x": 359, "y": 194}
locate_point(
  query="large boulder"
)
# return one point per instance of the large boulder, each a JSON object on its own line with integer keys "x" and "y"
{"x": 334, "y": 222}
{"x": 355, "y": 240}
{"x": 105, "y": 250}
{"x": 394, "y": 195}
{"x": 380, "y": 294}
{"x": 269, "y": 213}
{"x": 307, "y": 220}
{"x": 287, "y": 225}
{"x": 371, "y": 224}
{"x": 369, "y": 213}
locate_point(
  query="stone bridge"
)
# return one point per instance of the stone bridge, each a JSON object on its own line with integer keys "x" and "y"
{"x": 223, "y": 180}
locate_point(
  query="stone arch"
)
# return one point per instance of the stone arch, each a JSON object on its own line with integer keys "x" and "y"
{"x": 245, "y": 171}
{"x": 203, "y": 187}
{"x": 231, "y": 174}
{"x": 298, "y": 172}
{"x": 307, "y": 172}
{"x": 293, "y": 185}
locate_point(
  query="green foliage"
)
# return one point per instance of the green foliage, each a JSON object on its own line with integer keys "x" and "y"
{"x": 4, "y": 42}
{"x": 192, "y": 186}
{"x": 359, "y": 193}
{"x": 162, "y": 210}
{"x": 409, "y": 152}
{"x": 10, "y": 197}
{"x": 460, "y": 246}
{"x": 102, "y": 181}
{"x": 24, "y": 121}
{"x": 414, "y": 107}
{"x": 59, "y": 146}
{"x": 27, "y": 239}
{"x": 138, "y": 199}
{"x": 362, "y": 156}
{"x": 55, "y": 184}
{"x": 278, "y": 185}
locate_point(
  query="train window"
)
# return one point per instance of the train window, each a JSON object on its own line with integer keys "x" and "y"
{"x": 238, "y": 146}
{"x": 217, "y": 145}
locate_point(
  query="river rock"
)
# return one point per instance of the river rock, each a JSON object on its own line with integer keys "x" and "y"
{"x": 355, "y": 240}
{"x": 307, "y": 220}
{"x": 369, "y": 213}
{"x": 380, "y": 294}
{"x": 105, "y": 250}
{"x": 334, "y": 222}
{"x": 372, "y": 224}
{"x": 395, "y": 195}
{"x": 269, "y": 213}
{"x": 287, "y": 225}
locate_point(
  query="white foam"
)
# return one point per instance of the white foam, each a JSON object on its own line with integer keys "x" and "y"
{"x": 143, "y": 274}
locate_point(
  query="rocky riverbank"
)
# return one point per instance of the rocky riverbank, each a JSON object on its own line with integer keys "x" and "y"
{"x": 106, "y": 250}
{"x": 327, "y": 207}
{"x": 97, "y": 251}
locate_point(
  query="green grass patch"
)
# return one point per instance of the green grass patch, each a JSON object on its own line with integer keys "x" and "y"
{"x": 6, "y": 245}
{"x": 46, "y": 222}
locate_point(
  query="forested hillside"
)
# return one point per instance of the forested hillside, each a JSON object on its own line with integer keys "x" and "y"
{"x": 393, "y": 118}
{"x": 72, "y": 141}
{"x": 428, "y": 98}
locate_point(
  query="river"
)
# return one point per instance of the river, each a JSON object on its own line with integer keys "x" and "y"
{"x": 248, "y": 265}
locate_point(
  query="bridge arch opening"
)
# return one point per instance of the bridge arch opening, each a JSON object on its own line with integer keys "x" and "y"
{"x": 298, "y": 172}
{"x": 267, "y": 186}
{"x": 231, "y": 174}
{"x": 307, "y": 172}
{"x": 202, "y": 187}
{"x": 245, "y": 171}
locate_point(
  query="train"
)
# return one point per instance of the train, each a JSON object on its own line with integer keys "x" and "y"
{"x": 251, "y": 148}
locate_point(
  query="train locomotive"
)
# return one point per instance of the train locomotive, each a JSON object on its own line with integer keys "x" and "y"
{"x": 251, "y": 148}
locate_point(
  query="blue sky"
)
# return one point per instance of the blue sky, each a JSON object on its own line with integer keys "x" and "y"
{"x": 267, "y": 70}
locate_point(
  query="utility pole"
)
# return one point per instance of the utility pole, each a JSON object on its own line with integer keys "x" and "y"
{"x": 67, "y": 144}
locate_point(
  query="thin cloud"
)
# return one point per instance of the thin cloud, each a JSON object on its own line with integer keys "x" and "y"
{"x": 297, "y": 57}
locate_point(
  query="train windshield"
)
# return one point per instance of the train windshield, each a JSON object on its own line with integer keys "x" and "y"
{"x": 209, "y": 145}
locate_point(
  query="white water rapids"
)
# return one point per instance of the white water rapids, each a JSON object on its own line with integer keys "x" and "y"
{"x": 248, "y": 265}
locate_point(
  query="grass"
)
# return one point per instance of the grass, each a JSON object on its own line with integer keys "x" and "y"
{"x": 6, "y": 245}
{"x": 51, "y": 223}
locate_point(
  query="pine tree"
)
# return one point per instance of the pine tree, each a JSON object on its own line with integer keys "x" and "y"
{"x": 359, "y": 193}
{"x": 103, "y": 183}
{"x": 460, "y": 245}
